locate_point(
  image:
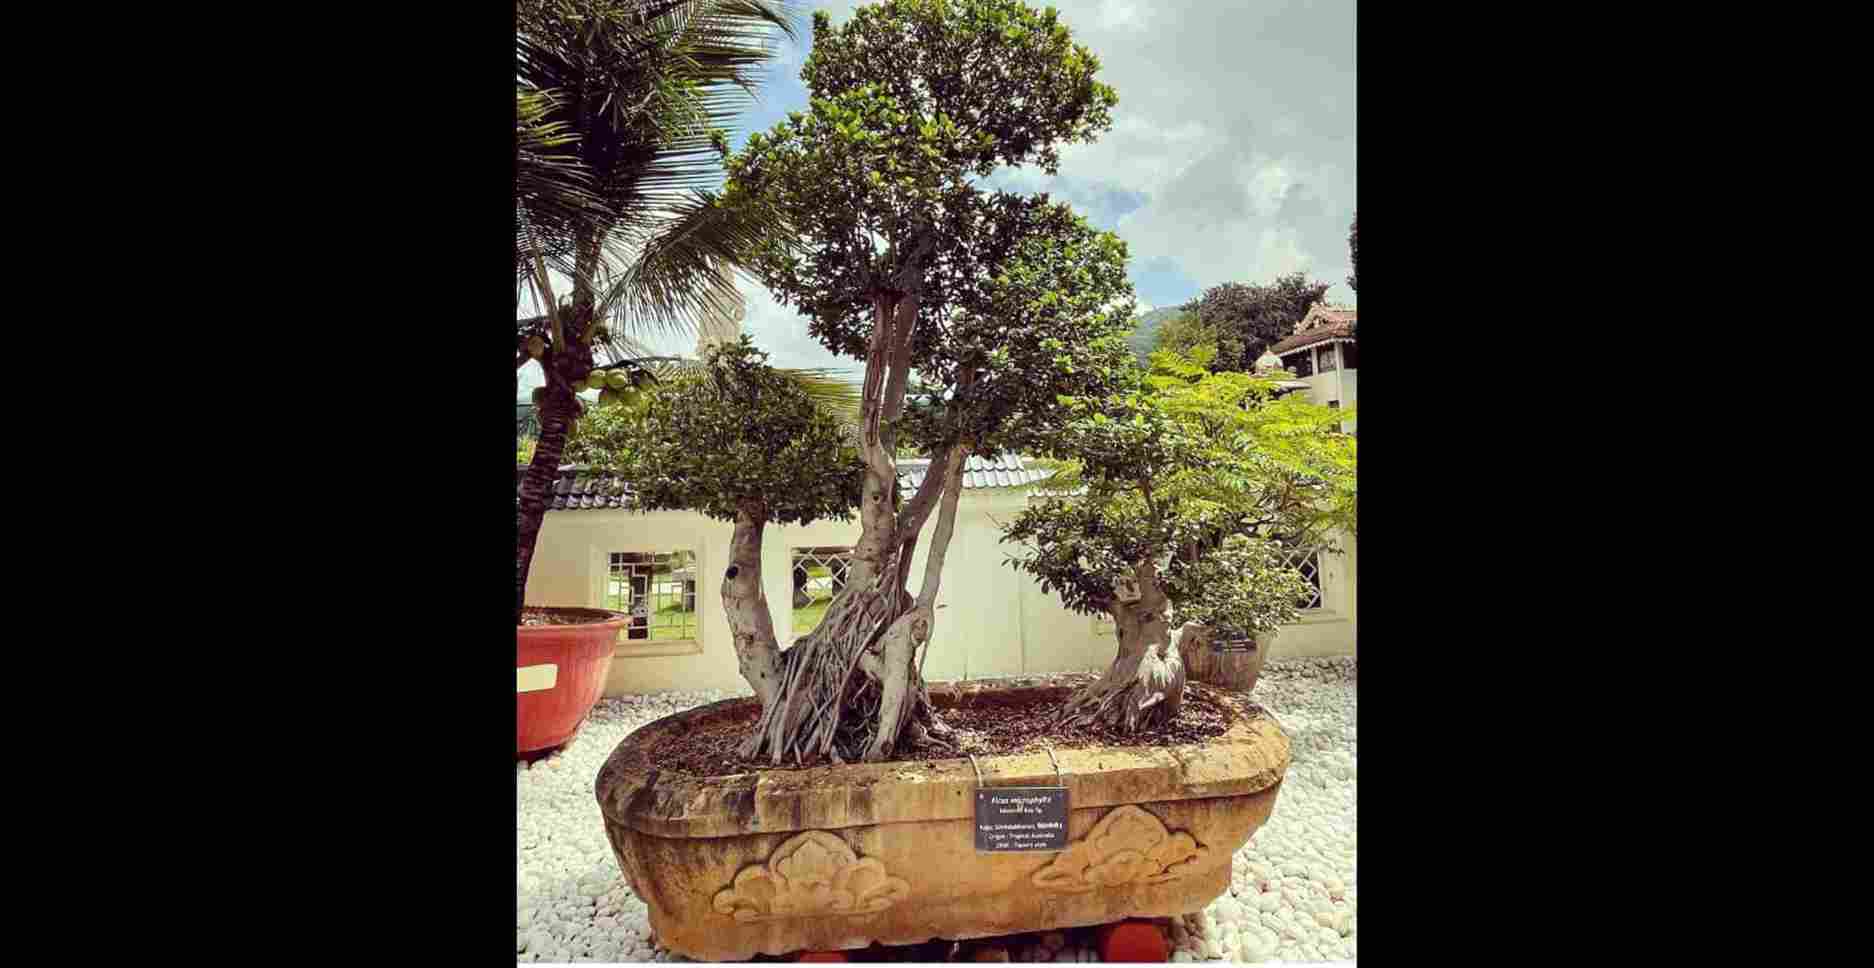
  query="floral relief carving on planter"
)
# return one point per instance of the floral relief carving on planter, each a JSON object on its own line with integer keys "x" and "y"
{"x": 813, "y": 874}
{"x": 1128, "y": 845}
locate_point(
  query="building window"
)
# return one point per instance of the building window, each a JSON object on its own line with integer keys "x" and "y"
{"x": 1302, "y": 362}
{"x": 658, "y": 590}
{"x": 1308, "y": 562}
{"x": 819, "y": 574}
{"x": 1350, "y": 356}
{"x": 1327, "y": 359}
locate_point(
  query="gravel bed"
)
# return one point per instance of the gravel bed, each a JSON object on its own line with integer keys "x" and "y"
{"x": 1292, "y": 896}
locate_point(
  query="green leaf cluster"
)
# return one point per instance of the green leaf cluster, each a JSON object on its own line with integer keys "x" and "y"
{"x": 733, "y": 435}
{"x": 1169, "y": 469}
{"x": 1244, "y": 319}
{"x": 912, "y": 101}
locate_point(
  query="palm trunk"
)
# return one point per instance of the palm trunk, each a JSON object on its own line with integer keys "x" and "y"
{"x": 558, "y": 409}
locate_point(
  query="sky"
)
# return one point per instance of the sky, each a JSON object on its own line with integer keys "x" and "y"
{"x": 1232, "y": 155}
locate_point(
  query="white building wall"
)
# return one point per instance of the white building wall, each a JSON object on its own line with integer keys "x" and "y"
{"x": 1339, "y": 384}
{"x": 992, "y": 620}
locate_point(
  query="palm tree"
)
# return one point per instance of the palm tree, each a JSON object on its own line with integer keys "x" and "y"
{"x": 620, "y": 111}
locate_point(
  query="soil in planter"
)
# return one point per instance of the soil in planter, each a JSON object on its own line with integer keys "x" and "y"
{"x": 984, "y": 725}
{"x": 563, "y": 616}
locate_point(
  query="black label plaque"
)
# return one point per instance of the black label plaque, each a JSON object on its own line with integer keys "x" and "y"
{"x": 1021, "y": 818}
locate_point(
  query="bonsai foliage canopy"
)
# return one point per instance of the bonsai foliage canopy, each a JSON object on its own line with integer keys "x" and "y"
{"x": 1001, "y": 304}
{"x": 734, "y": 435}
{"x": 1194, "y": 486}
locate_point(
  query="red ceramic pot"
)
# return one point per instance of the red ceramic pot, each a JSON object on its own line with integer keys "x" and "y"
{"x": 560, "y": 672}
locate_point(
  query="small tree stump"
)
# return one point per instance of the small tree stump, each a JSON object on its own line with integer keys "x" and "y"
{"x": 1224, "y": 664}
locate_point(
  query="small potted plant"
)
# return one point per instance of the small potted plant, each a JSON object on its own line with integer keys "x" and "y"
{"x": 1235, "y": 601}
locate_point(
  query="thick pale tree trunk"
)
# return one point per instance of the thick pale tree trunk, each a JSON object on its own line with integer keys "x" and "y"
{"x": 1144, "y": 687}
{"x": 850, "y": 689}
{"x": 750, "y": 624}
{"x": 900, "y": 685}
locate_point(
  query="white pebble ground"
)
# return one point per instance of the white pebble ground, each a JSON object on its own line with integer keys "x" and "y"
{"x": 1292, "y": 896}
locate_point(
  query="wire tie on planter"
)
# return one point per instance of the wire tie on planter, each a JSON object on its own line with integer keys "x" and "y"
{"x": 1057, "y": 764}
{"x": 979, "y": 770}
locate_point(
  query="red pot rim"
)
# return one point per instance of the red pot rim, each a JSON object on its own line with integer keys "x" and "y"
{"x": 617, "y": 619}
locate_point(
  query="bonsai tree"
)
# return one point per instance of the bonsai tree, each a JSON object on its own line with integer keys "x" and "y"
{"x": 1192, "y": 485}
{"x": 619, "y": 108}
{"x": 739, "y": 442}
{"x": 999, "y": 303}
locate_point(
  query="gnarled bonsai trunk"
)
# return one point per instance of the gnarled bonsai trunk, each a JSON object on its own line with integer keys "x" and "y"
{"x": 1144, "y": 687}
{"x": 850, "y": 689}
{"x": 746, "y": 605}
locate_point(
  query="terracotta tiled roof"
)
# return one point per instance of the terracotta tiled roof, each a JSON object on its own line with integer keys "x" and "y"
{"x": 1322, "y": 323}
{"x": 579, "y": 489}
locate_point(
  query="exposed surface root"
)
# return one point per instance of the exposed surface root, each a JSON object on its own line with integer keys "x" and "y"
{"x": 1140, "y": 692}
{"x": 833, "y": 685}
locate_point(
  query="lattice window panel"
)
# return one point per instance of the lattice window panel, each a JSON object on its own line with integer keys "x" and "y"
{"x": 658, "y": 589}
{"x": 1308, "y": 562}
{"x": 817, "y": 575}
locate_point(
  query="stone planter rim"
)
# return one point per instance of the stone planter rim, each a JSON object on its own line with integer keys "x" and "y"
{"x": 1251, "y": 755}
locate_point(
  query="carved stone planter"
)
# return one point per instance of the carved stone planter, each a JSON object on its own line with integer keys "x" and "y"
{"x": 841, "y": 856}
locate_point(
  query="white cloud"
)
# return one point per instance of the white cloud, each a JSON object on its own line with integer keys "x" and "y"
{"x": 1236, "y": 122}
{"x": 783, "y": 334}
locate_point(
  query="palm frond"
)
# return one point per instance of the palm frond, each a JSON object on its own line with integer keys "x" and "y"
{"x": 650, "y": 85}
{"x": 553, "y": 192}
{"x": 698, "y": 242}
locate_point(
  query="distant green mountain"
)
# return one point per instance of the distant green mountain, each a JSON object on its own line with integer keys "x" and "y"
{"x": 1146, "y": 334}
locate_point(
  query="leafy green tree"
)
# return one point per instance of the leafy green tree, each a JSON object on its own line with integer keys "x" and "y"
{"x": 620, "y": 109}
{"x": 898, "y": 256}
{"x": 1193, "y": 484}
{"x": 737, "y": 441}
{"x": 1183, "y": 333}
{"x": 1248, "y": 318}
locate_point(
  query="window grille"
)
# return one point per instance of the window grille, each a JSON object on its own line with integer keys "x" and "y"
{"x": 1308, "y": 562}
{"x": 818, "y": 575}
{"x": 658, "y": 590}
